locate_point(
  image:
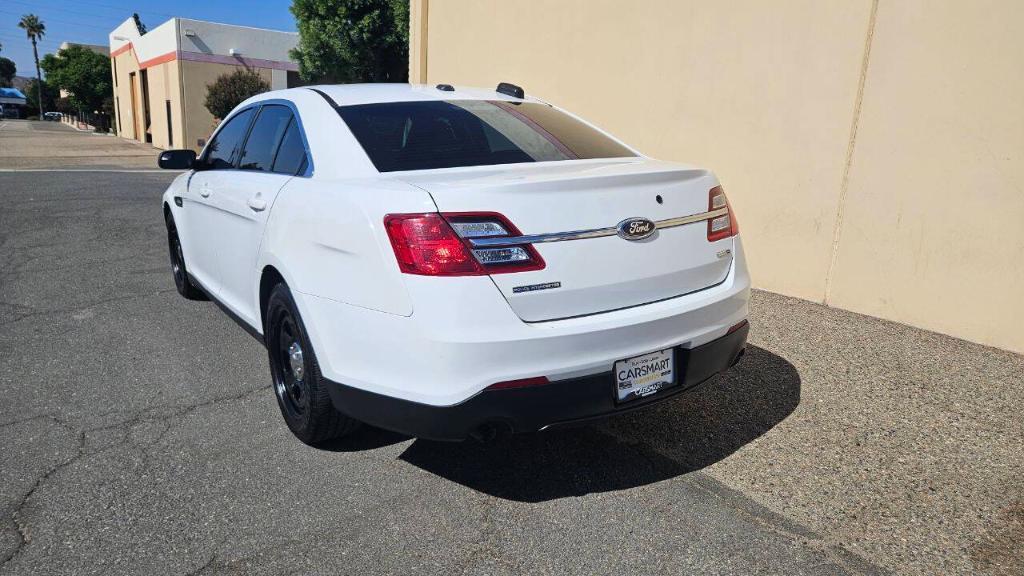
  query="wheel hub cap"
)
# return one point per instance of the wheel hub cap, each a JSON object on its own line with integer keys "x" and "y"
{"x": 295, "y": 360}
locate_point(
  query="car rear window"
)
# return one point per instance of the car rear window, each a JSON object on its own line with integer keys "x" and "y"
{"x": 451, "y": 133}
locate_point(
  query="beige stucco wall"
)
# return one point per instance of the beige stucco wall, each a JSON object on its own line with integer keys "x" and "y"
{"x": 124, "y": 64}
{"x": 196, "y": 76}
{"x": 857, "y": 145}
{"x": 184, "y": 83}
{"x": 933, "y": 224}
{"x": 164, "y": 84}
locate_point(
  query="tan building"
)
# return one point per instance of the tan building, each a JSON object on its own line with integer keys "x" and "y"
{"x": 160, "y": 77}
{"x": 102, "y": 50}
{"x": 874, "y": 150}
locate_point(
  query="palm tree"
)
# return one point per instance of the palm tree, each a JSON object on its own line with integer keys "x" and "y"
{"x": 34, "y": 29}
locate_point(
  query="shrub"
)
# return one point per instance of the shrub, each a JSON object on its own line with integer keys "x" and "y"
{"x": 230, "y": 90}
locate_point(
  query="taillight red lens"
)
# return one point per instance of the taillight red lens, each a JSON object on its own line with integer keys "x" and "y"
{"x": 425, "y": 244}
{"x": 723, "y": 226}
{"x": 434, "y": 244}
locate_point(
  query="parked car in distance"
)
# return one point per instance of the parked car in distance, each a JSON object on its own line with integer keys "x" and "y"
{"x": 450, "y": 262}
{"x": 53, "y": 116}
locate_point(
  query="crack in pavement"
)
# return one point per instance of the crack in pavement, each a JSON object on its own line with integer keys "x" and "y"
{"x": 209, "y": 561}
{"x": 145, "y": 415}
{"x": 24, "y": 531}
{"x": 82, "y": 306}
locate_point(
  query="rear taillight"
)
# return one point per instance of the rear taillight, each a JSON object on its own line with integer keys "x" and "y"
{"x": 723, "y": 226}
{"x": 434, "y": 244}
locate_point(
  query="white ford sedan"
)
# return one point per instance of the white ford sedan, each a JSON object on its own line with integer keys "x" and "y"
{"x": 453, "y": 262}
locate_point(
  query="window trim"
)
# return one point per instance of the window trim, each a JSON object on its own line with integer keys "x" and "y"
{"x": 204, "y": 156}
{"x": 248, "y": 134}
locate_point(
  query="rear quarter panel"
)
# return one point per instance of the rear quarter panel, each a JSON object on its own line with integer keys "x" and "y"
{"x": 327, "y": 239}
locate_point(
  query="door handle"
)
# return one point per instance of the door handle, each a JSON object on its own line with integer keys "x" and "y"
{"x": 257, "y": 204}
{"x": 204, "y": 192}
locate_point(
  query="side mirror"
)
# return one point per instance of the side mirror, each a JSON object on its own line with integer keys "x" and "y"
{"x": 177, "y": 159}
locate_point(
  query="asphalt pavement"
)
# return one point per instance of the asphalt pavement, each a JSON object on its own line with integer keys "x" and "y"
{"x": 139, "y": 435}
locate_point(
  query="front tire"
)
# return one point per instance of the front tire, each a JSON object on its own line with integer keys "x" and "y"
{"x": 300, "y": 389}
{"x": 181, "y": 280}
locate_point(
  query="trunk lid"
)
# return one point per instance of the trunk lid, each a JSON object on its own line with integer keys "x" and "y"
{"x": 600, "y": 274}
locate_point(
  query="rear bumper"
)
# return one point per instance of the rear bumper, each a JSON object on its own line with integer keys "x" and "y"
{"x": 463, "y": 337}
{"x": 533, "y": 408}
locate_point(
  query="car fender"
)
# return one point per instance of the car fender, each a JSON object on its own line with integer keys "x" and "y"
{"x": 326, "y": 238}
{"x": 177, "y": 189}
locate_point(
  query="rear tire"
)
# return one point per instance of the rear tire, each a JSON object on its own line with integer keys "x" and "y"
{"x": 182, "y": 282}
{"x": 300, "y": 389}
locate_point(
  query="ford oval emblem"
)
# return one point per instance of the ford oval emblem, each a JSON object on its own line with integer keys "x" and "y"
{"x": 634, "y": 229}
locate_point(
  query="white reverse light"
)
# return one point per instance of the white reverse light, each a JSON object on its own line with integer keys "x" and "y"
{"x": 479, "y": 229}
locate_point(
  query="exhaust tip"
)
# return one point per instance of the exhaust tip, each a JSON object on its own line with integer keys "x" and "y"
{"x": 740, "y": 355}
{"x": 490, "y": 432}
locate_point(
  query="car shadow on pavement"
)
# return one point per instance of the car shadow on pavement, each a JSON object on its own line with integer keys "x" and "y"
{"x": 682, "y": 435}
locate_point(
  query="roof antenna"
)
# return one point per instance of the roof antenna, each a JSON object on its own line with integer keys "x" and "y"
{"x": 511, "y": 90}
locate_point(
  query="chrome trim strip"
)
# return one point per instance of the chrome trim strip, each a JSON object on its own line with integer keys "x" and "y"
{"x": 593, "y": 233}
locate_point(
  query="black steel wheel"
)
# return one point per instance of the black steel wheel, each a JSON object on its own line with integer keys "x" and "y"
{"x": 181, "y": 280}
{"x": 300, "y": 389}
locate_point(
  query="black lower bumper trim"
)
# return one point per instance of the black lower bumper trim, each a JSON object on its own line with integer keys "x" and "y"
{"x": 532, "y": 408}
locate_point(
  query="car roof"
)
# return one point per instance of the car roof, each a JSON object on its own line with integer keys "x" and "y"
{"x": 352, "y": 94}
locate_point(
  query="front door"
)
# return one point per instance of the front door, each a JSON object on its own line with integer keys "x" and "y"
{"x": 203, "y": 238}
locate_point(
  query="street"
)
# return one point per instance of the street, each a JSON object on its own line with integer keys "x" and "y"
{"x": 140, "y": 434}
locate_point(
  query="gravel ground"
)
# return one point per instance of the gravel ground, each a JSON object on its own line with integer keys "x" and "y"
{"x": 139, "y": 435}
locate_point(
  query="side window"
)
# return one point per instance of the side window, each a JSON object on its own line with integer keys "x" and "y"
{"x": 291, "y": 157}
{"x": 265, "y": 137}
{"x": 223, "y": 149}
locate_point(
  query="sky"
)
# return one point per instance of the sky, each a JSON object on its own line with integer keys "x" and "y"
{"x": 90, "y": 21}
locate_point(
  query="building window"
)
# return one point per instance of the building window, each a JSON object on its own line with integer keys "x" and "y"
{"x": 113, "y": 64}
{"x": 170, "y": 127}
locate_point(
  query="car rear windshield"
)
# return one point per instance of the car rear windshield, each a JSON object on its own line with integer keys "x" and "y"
{"x": 451, "y": 133}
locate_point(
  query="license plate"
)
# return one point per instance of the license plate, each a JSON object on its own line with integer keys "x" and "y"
{"x": 644, "y": 375}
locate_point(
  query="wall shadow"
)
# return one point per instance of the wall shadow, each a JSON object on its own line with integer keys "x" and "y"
{"x": 687, "y": 433}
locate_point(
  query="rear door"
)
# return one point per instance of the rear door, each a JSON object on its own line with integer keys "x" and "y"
{"x": 273, "y": 153}
{"x": 202, "y": 239}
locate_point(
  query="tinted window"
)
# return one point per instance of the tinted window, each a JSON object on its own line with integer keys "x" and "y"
{"x": 264, "y": 138}
{"x": 291, "y": 157}
{"x": 446, "y": 134}
{"x": 222, "y": 150}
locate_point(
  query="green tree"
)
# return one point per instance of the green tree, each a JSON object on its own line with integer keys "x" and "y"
{"x": 33, "y": 91}
{"x": 84, "y": 74}
{"x": 34, "y": 29}
{"x": 7, "y": 72}
{"x": 352, "y": 40}
{"x": 229, "y": 90}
